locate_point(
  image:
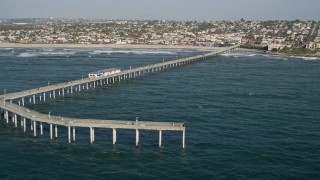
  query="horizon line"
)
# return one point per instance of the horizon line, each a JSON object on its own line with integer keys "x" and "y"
{"x": 127, "y": 19}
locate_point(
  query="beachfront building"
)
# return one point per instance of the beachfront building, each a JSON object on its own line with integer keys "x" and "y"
{"x": 194, "y": 33}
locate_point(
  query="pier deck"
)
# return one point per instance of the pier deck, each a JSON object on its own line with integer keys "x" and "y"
{"x": 75, "y": 83}
{"x": 76, "y": 122}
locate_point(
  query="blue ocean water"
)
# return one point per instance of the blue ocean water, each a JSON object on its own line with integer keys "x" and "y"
{"x": 248, "y": 116}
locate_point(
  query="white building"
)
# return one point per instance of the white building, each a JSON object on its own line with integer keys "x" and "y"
{"x": 105, "y": 72}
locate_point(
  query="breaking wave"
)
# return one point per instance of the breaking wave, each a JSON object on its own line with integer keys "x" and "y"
{"x": 309, "y": 58}
{"x": 49, "y": 53}
{"x": 6, "y": 48}
{"x": 276, "y": 57}
{"x": 27, "y": 55}
{"x": 137, "y": 52}
{"x": 237, "y": 55}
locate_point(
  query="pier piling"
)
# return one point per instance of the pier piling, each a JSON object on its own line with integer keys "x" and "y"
{"x": 91, "y": 135}
{"x": 56, "y": 131}
{"x": 74, "y": 133}
{"x": 114, "y": 137}
{"x": 183, "y": 139}
{"x": 24, "y": 125}
{"x": 160, "y": 138}
{"x": 41, "y": 128}
{"x": 51, "y": 132}
{"x": 34, "y": 128}
{"x": 69, "y": 134}
{"x": 137, "y": 137}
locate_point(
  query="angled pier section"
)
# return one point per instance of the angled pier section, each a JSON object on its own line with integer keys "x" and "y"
{"x": 8, "y": 106}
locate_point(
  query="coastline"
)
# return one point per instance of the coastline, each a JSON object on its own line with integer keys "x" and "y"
{"x": 125, "y": 46}
{"x": 243, "y": 50}
{"x": 144, "y": 46}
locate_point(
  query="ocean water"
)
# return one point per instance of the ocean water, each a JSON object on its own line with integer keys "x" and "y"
{"x": 248, "y": 116}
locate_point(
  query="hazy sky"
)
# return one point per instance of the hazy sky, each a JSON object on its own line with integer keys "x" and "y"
{"x": 163, "y": 9}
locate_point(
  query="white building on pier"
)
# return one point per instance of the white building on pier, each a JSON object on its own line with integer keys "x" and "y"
{"x": 105, "y": 72}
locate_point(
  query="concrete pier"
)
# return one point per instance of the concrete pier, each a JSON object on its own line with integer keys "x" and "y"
{"x": 34, "y": 117}
{"x": 128, "y": 72}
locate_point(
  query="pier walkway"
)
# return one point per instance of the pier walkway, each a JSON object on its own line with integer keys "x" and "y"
{"x": 7, "y": 103}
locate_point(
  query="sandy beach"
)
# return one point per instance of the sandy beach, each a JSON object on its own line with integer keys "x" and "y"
{"x": 142, "y": 46}
{"x": 127, "y": 46}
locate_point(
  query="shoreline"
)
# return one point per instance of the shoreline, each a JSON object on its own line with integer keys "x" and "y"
{"x": 276, "y": 54}
{"x": 116, "y": 46}
{"x": 144, "y": 46}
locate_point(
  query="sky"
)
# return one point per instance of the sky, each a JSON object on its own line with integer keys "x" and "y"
{"x": 163, "y": 9}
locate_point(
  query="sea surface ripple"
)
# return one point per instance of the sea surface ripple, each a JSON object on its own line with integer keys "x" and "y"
{"x": 248, "y": 116}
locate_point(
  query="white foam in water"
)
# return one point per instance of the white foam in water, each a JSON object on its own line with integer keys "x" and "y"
{"x": 153, "y": 52}
{"x": 237, "y": 55}
{"x": 294, "y": 57}
{"x": 276, "y": 57}
{"x": 6, "y": 48}
{"x": 34, "y": 54}
{"x": 27, "y": 55}
{"x": 138, "y": 52}
{"x": 310, "y": 58}
{"x": 227, "y": 55}
{"x": 31, "y": 50}
{"x": 100, "y": 52}
{"x": 68, "y": 49}
{"x": 56, "y": 53}
{"x": 48, "y": 49}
